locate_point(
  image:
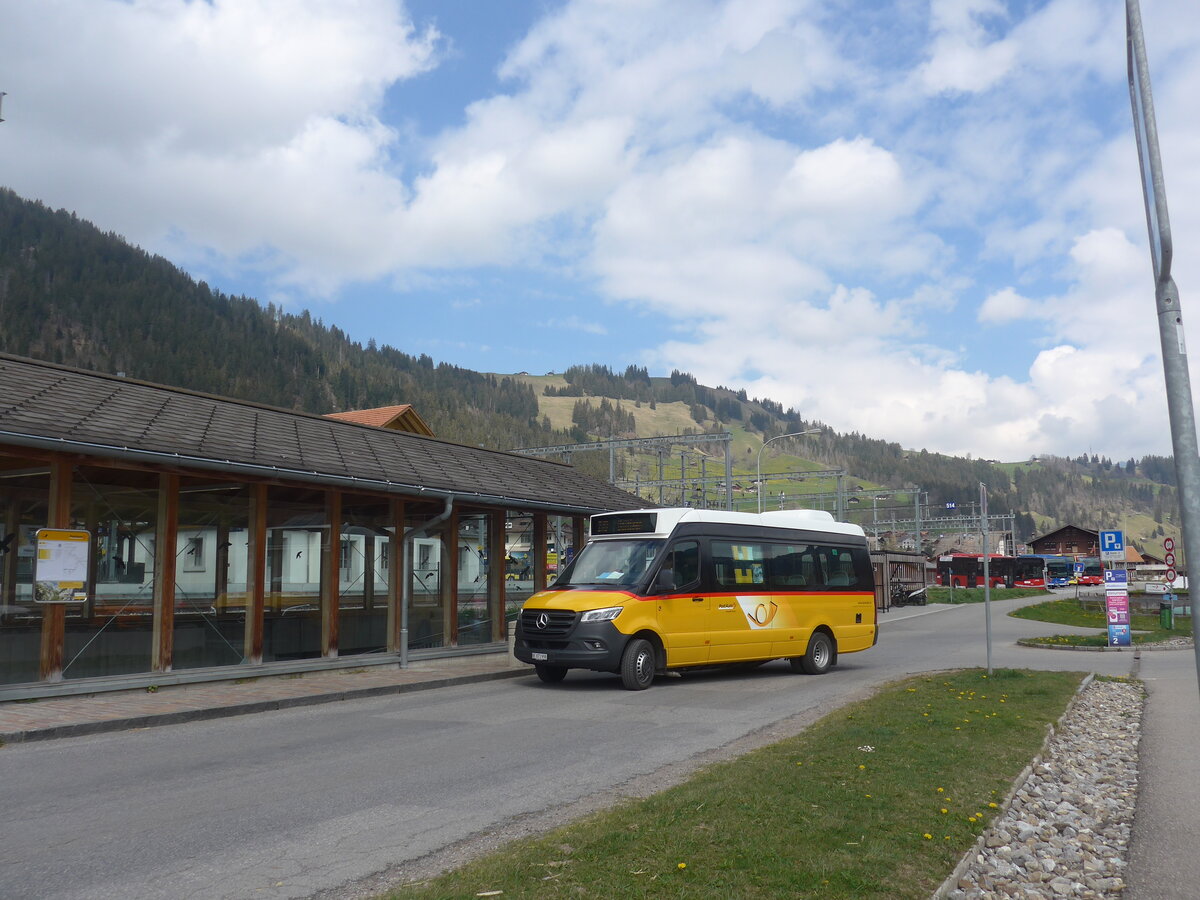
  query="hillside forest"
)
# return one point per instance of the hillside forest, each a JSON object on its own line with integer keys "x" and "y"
{"x": 73, "y": 294}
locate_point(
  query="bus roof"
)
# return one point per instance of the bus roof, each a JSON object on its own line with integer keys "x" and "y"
{"x": 661, "y": 522}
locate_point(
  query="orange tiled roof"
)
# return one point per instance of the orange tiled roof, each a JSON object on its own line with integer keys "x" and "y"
{"x": 394, "y": 418}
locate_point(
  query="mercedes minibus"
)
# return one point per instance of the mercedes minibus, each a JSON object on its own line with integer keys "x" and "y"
{"x": 667, "y": 589}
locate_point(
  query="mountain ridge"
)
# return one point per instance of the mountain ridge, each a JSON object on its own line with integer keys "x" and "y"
{"x": 73, "y": 294}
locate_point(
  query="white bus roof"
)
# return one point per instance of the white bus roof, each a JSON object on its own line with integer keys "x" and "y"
{"x": 666, "y": 520}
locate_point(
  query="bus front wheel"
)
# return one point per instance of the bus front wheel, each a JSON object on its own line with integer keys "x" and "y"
{"x": 551, "y": 674}
{"x": 818, "y": 658}
{"x": 637, "y": 665}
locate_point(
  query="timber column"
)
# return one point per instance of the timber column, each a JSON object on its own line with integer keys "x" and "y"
{"x": 54, "y": 615}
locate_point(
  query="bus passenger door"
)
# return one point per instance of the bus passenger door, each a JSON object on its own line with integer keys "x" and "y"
{"x": 684, "y": 611}
{"x": 743, "y": 612}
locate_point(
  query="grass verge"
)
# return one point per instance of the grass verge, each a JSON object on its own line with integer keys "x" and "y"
{"x": 1088, "y": 613}
{"x": 878, "y": 799}
{"x": 975, "y": 595}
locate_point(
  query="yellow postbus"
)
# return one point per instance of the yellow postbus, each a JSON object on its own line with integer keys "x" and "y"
{"x": 666, "y": 589}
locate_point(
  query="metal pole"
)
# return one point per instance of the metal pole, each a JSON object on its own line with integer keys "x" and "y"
{"x": 728, "y": 471}
{"x": 917, "y": 519}
{"x": 777, "y": 437}
{"x": 987, "y": 581}
{"x": 1166, "y": 297}
{"x": 660, "y": 477}
{"x": 683, "y": 478}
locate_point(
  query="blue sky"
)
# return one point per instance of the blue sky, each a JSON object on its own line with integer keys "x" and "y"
{"x": 917, "y": 220}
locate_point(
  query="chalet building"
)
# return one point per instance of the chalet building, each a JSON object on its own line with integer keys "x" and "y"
{"x": 1070, "y": 540}
{"x": 1078, "y": 543}
{"x": 226, "y": 538}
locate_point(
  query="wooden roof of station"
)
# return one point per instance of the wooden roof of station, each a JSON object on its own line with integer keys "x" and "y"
{"x": 52, "y": 407}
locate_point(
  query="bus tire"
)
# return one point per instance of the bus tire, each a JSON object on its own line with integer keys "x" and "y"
{"x": 637, "y": 665}
{"x": 818, "y": 658}
{"x": 551, "y": 674}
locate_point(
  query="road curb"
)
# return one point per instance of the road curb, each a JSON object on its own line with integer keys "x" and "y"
{"x": 1036, "y": 646}
{"x": 81, "y": 729}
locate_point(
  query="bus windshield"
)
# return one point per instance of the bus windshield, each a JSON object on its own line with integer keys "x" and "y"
{"x": 616, "y": 563}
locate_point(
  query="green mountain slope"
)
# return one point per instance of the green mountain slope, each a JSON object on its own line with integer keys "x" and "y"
{"x": 73, "y": 294}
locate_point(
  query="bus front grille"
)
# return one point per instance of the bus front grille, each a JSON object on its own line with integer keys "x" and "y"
{"x": 538, "y": 623}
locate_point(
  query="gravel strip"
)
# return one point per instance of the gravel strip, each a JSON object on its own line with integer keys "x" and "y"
{"x": 1065, "y": 832}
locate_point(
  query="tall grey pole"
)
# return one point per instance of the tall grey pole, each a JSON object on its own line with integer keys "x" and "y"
{"x": 917, "y": 518}
{"x": 987, "y": 579}
{"x": 728, "y": 471}
{"x": 1166, "y": 297}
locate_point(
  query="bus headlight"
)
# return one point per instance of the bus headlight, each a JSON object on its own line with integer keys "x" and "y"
{"x": 601, "y": 615}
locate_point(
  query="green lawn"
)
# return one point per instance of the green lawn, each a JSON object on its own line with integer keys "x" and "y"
{"x": 879, "y": 799}
{"x": 975, "y": 595}
{"x": 1090, "y": 613}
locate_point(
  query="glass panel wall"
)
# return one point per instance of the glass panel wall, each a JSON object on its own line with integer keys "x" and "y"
{"x": 476, "y": 615}
{"x": 363, "y": 561}
{"x": 111, "y": 633}
{"x": 24, "y": 497}
{"x": 518, "y": 562}
{"x": 296, "y": 528}
{"x": 211, "y": 566}
{"x": 429, "y": 607}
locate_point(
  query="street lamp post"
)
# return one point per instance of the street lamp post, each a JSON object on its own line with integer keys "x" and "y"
{"x": 778, "y": 437}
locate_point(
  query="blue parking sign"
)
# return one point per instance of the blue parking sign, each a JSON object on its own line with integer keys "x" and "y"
{"x": 1112, "y": 545}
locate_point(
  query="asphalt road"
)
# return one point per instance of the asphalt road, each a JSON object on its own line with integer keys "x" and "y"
{"x": 292, "y": 803}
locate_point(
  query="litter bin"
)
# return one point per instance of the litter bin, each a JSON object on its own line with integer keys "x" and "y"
{"x": 1166, "y": 616}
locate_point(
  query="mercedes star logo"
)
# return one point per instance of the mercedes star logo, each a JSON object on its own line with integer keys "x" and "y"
{"x": 543, "y": 620}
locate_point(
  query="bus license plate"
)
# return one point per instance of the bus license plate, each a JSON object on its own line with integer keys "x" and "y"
{"x": 541, "y": 657}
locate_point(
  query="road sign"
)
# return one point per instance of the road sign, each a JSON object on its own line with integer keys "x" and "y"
{"x": 1168, "y": 544}
{"x": 950, "y": 504}
{"x": 1116, "y": 576}
{"x": 1171, "y": 576}
{"x": 1170, "y": 560}
{"x": 1112, "y": 545}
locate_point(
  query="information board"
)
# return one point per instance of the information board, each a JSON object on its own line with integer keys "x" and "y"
{"x": 61, "y": 567}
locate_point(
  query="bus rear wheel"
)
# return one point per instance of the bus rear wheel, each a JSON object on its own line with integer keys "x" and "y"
{"x": 551, "y": 674}
{"x": 818, "y": 658}
{"x": 637, "y": 665}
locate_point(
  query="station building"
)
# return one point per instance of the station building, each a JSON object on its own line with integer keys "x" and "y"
{"x": 229, "y": 538}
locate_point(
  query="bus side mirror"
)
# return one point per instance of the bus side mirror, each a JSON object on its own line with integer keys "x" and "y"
{"x": 664, "y": 581}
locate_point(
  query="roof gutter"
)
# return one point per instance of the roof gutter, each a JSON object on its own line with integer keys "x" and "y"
{"x": 107, "y": 451}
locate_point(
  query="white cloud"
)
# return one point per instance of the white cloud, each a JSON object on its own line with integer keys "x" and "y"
{"x": 574, "y": 323}
{"x": 816, "y": 209}
{"x": 962, "y": 58}
{"x": 1005, "y": 306}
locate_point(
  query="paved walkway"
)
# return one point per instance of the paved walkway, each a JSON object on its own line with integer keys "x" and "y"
{"x": 59, "y": 717}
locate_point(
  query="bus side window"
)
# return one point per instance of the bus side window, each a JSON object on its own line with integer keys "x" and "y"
{"x": 838, "y": 564}
{"x": 787, "y": 566}
{"x": 738, "y": 565}
{"x": 685, "y": 558}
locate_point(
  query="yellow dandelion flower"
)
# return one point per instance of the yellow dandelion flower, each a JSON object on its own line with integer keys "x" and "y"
{"x": 862, "y": 767}
{"x": 682, "y": 865}
{"x": 928, "y": 836}
{"x": 941, "y": 790}
{"x": 944, "y": 810}
{"x": 993, "y": 806}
